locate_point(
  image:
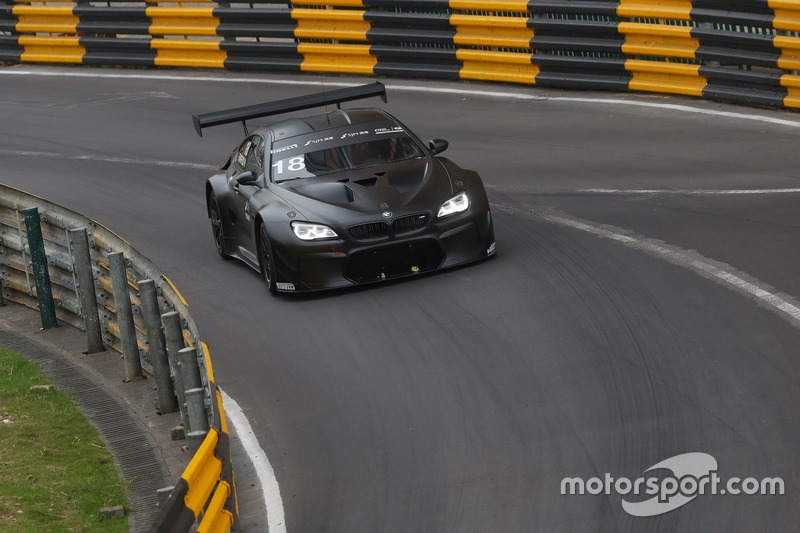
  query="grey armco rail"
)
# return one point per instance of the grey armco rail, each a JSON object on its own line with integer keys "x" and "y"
{"x": 171, "y": 351}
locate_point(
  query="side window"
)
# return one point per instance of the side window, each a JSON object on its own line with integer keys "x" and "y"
{"x": 241, "y": 156}
{"x": 255, "y": 158}
{"x": 250, "y": 155}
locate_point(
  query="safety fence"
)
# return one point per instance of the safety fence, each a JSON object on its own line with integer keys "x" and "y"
{"x": 744, "y": 51}
{"x": 75, "y": 271}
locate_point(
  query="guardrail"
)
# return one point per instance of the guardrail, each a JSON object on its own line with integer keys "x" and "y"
{"x": 748, "y": 52}
{"x": 76, "y": 271}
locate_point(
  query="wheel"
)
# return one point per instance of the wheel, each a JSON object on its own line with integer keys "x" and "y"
{"x": 266, "y": 260}
{"x": 216, "y": 227}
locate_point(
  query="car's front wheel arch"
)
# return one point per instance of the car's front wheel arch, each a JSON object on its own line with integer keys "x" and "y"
{"x": 209, "y": 195}
{"x": 217, "y": 228}
{"x": 266, "y": 258}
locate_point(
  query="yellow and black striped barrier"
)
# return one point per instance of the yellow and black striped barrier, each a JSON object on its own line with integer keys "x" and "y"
{"x": 206, "y": 489}
{"x": 743, "y": 51}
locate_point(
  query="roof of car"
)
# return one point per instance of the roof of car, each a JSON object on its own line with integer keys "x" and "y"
{"x": 329, "y": 121}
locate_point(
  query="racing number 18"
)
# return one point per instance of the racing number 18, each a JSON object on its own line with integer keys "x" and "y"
{"x": 294, "y": 164}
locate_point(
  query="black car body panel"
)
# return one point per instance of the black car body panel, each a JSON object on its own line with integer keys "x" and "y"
{"x": 345, "y": 198}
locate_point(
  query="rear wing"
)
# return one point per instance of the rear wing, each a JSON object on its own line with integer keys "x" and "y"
{"x": 288, "y": 105}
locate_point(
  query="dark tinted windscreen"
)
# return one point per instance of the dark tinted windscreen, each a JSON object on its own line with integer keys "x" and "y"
{"x": 317, "y": 155}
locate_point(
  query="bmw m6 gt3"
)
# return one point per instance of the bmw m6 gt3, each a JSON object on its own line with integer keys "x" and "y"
{"x": 343, "y": 197}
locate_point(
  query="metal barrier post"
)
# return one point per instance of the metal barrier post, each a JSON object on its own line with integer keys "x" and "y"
{"x": 190, "y": 369}
{"x": 86, "y": 289}
{"x": 173, "y": 335}
{"x": 195, "y": 398}
{"x": 196, "y": 408}
{"x": 167, "y": 403}
{"x": 41, "y": 276}
{"x": 122, "y": 308}
{"x": 163, "y": 495}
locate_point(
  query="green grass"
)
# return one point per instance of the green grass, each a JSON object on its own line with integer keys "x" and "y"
{"x": 55, "y": 473}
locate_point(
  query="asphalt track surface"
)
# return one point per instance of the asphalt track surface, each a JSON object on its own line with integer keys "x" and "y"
{"x": 641, "y": 305}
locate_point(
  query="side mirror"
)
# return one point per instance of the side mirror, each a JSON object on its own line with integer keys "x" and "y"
{"x": 246, "y": 178}
{"x": 437, "y": 146}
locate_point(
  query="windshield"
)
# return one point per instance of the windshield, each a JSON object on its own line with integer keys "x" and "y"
{"x": 335, "y": 154}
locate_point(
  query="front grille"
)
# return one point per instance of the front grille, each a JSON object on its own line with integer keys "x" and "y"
{"x": 394, "y": 261}
{"x": 401, "y": 226}
{"x": 372, "y": 231}
{"x": 410, "y": 224}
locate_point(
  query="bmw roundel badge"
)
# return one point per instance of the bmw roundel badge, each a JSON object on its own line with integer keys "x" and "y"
{"x": 387, "y": 214}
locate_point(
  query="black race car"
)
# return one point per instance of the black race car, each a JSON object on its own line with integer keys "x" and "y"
{"x": 342, "y": 198}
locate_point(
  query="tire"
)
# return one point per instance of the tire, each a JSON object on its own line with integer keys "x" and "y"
{"x": 217, "y": 230}
{"x": 266, "y": 260}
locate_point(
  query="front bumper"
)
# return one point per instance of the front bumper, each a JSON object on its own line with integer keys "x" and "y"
{"x": 318, "y": 265}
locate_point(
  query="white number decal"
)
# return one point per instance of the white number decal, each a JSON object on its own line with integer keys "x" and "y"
{"x": 295, "y": 164}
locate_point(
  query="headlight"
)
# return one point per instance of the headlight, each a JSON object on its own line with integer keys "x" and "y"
{"x": 311, "y": 232}
{"x": 457, "y": 204}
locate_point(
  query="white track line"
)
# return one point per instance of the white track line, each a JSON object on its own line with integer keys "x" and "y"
{"x": 785, "y": 306}
{"x": 315, "y": 82}
{"x": 708, "y": 192}
{"x": 266, "y": 476}
{"x": 108, "y": 159}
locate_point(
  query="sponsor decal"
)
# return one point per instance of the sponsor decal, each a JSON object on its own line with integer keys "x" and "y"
{"x": 316, "y": 141}
{"x": 690, "y": 475}
{"x": 381, "y": 131}
{"x": 285, "y": 148}
{"x": 285, "y": 286}
{"x": 353, "y": 134}
{"x": 491, "y": 249}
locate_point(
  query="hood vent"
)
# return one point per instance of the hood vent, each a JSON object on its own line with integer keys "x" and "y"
{"x": 332, "y": 192}
{"x": 367, "y": 182}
